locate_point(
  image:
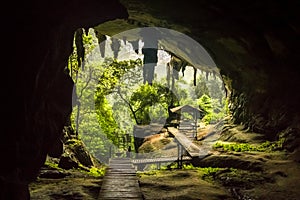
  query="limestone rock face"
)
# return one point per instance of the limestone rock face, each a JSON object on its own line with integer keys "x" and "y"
{"x": 43, "y": 33}
{"x": 75, "y": 154}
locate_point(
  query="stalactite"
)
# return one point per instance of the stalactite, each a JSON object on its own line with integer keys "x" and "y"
{"x": 195, "y": 76}
{"x": 214, "y": 74}
{"x": 101, "y": 41}
{"x": 86, "y": 30}
{"x": 124, "y": 40}
{"x": 79, "y": 46}
{"x": 150, "y": 61}
{"x": 115, "y": 46}
{"x": 173, "y": 83}
{"x": 184, "y": 63}
{"x": 175, "y": 74}
{"x": 178, "y": 64}
{"x": 168, "y": 74}
{"x": 135, "y": 45}
{"x": 174, "y": 62}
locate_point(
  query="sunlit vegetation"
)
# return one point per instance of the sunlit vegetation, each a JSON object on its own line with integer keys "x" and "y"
{"x": 213, "y": 109}
{"x": 151, "y": 102}
{"x": 111, "y": 96}
{"x": 52, "y": 165}
{"x": 228, "y": 177}
{"x": 205, "y": 173}
{"x": 97, "y": 172}
{"x": 266, "y": 146}
{"x": 109, "y": 83}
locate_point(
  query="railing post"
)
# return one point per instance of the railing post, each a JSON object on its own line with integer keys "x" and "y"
{"x": 178, "y": 154}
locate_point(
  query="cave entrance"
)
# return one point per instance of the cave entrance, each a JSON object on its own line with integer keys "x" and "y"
{"x": 127, "y": 84}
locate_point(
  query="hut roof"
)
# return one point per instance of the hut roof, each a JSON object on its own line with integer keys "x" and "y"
{"x": 186, "y": 108}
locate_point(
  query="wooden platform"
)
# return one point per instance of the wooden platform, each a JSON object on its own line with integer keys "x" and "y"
{"x": 120, "y": 181}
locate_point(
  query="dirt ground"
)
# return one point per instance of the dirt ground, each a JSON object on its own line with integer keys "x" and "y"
{"x": 180, "y": 184}
{"x": 75, "y": 186}
{"x": 239, "y": 175}
{"x": 273, "y": 175}
{"x": 279, "y": 180}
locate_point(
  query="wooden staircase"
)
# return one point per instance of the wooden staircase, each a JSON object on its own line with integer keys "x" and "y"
{"x": 120, "y": 181}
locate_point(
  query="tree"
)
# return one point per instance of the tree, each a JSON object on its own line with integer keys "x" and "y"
{"x": 109, "y": 83}
{"x": 201, "y": 87}
{"x": 147, "y": 96}
{"x": 213, "y": 109}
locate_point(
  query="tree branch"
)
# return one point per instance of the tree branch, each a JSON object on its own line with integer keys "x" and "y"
{"x": 129, "y": 105}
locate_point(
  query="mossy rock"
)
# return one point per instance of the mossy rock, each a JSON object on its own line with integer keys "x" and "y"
{"x": 229, "y": 161}
{"x": 75, "y": 155}
{"x": 147, "y": 147}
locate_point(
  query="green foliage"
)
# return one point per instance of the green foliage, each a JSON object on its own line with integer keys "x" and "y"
{"x": 271, "y": 146}
{"x": 201, "y": 87}
{"x": 94, "y": 116}
{"x": 213, "y": 173}
{"x": 108, "y": 83}
{"x": 98, "y": 128}
{"x": 149, "y": 173}
{"x": 215, "y": 88}
{"x": 73, "y": 66}
{"x": 52, "y": 165}
{"x": 93, "y": 171}
{"x": 89, "y": 44}
{"x": 188, "y": 166}
{"x": 106, "y": 120}
{"x": 97, "y": 172}
{"x": 113, "y": 71}
{"x": 210, "y": 86}
{"x": 267, "y": 146}
{"x": 211, "y": 98}
{"x": 93, "y": 136}
{"x": 151, "y": 102}
{"x": 205, "y": 103}
{"x": 208, "y": 171}
{"x": 213, "y": 109}
{"x": 171, "y": 166}
{"x": 238, "y": 147}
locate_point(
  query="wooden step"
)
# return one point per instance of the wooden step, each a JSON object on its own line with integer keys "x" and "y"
{"x": 120, "y": 181}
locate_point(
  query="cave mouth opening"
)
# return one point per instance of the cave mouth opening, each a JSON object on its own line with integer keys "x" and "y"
{"x": 120, "y": 84}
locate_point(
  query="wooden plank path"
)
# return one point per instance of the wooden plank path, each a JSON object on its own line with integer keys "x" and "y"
{"x": 120, "y": 181}
{"x": 192, "y": 149}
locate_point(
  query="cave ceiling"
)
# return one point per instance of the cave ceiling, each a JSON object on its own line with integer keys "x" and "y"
{"x": 234, "y": 25}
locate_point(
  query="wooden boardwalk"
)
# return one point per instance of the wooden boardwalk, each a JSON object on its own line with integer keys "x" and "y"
{"x": 192, "y": 149}
{"x": 120, "y": 181}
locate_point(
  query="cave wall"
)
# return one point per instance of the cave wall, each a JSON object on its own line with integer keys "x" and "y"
{"x": 43, "y": 34}
{"x": 254, "y": 43}
{"x": 262, "y": 86}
